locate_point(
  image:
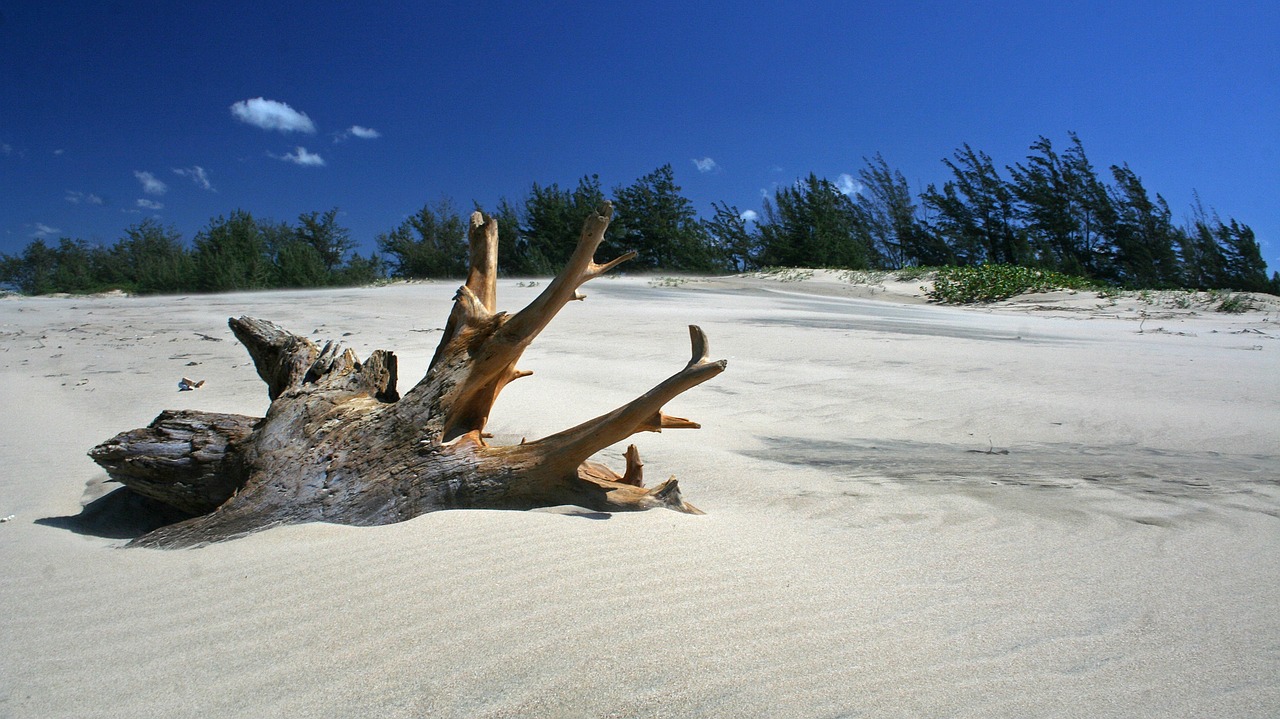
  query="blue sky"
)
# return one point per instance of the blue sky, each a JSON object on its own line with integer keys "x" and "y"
{"x": 115, "y": 111}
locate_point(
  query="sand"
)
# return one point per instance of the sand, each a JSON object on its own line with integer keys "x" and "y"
{"x": 1058, "y": 506}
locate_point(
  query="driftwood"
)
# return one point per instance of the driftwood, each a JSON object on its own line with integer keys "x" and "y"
{"x": 339, "y": 444}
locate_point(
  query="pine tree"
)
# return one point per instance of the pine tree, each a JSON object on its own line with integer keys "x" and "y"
{"x": 511, "y": 256}
{"x": 430, "y": 243}
{"x": 974, "y": 213}
{"x": 732, "y": 237}
{"x": 32, "y": 271}
{"x": 812, "y": 224}
{"x": 660, "y": 224}
{"x": 1063, "y": 206}
{"x": 329, "y": 239}
{"x": 1143, "y": 235}
{"x": 1243, "y": 266}
{"x": 552, "y": 222}
{"x": 154, "y": 259}
{"x": 892, "y": 219}
{"x": 232, "y": 254}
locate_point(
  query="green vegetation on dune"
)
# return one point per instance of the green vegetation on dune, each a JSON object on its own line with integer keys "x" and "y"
{"x": 992, "y": 283}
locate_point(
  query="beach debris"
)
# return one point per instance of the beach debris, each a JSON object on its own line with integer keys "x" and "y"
{"x": 9, "y": 518}
{"x": 340, "y": 444}
{"x": 207, "y": 338}
{"x": 186, "y": 385}
{"x": 991, "y": 448}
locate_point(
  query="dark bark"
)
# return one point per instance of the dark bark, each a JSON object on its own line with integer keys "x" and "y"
{"x": 185, "y": 459}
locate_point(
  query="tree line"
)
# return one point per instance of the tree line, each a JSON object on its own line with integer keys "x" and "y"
{"x": 235, "y": 252}
{"x": 1052, "y": 211}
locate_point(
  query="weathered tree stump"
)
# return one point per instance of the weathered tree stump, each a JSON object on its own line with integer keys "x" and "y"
{"x": 339, "y": 444}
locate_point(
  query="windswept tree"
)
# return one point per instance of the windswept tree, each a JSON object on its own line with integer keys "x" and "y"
{"x": 661, "y": 226}
{"x": 1203, "y": 266}
{"x": 1142, "y": 235}
{"x": 1245, "y": 268}
{"x": 812, "y": 224}
{"x": 430, "y": 243}
{"x": 973, "y": 213}
{"x": 892, "y": 219}
{"x": 1221, "y": 255}
{"x": 1064, "y": 207}
{"x": 732, "y": 236}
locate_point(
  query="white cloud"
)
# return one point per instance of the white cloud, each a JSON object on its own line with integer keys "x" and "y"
{"x": 272, "y": 115}
{"x": 150, "y": 204}
{"x": 75, "y": 197}
{"x": 750, "y": 216}
{"x": 150, "y": 184}
{"x": 197, "y": 175}
{"x": 6, "y": 148}
{"x": 364, "y": 133}
{"x": 300, "y": 156}
{"x": 705, "y": 164}
{"x": 847, "y": 185}
{"x": 43, "y": 230}
{"x": 58, "y": 152}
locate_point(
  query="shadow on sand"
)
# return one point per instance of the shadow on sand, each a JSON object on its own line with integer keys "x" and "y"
{"x": 116, "y": 514}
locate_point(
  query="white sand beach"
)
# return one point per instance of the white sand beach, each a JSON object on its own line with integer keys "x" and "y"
{"x": 1056, "y": 506}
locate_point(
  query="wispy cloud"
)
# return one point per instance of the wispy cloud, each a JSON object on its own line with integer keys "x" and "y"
{"x": 76, "y": 197}
{"x": 364, "y": 133}
{"x": 150, "y": 184}
{"x": 43, "y": 230}
{"x": 301, "y": 156}
{"x": 750, "y": 216}
{"x": 705, "y": 164}
{"x": 150, "y": 204}
{"x": 197, "y": 175}
{"x": 6, "y": 149}
{"x": 847, "y": 185}
{"x": 272, "y": 115}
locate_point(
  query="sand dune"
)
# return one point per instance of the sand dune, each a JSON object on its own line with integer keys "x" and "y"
{"x": 1060, "y": 506}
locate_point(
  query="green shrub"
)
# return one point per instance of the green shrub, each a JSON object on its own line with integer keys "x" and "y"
{"x": 992, "y": 283}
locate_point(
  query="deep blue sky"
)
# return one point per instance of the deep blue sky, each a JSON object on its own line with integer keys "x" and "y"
{"x": 476, "y": 101}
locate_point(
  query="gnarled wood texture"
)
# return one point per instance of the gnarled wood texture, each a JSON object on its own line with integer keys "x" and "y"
{"x": 339, "y": 444}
